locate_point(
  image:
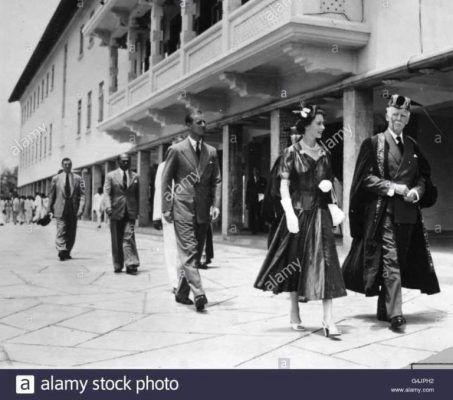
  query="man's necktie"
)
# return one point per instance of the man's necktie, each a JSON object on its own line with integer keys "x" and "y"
{"x": 124, "y": 180}
{"x": 400, "y": 144}
{"x": 198, "y": 151}
{"x": 67, "y": 187}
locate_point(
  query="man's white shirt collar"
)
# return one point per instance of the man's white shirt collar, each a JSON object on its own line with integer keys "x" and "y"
{"x": 127, "y": 175}
{"x": 394, "y": 135}
{"x": 194, "y": 143}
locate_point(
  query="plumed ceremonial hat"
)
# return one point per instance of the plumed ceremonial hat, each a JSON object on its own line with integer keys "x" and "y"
{"x": 400, "y": 102}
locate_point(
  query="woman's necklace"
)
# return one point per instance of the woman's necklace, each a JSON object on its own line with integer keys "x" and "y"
{"x": 312, "y": 148}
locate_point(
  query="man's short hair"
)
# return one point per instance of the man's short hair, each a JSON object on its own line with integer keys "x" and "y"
{"x": 66, "y": 159}
{"x": 189, "y": 117}
{"x": 124, "y": 155}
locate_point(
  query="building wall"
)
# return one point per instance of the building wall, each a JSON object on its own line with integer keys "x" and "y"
{"x": 83, "y": 74}
{"x": 438, "y": 149}
{"x": 395, "y": 31}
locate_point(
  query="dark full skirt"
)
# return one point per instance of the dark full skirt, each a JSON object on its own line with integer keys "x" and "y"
{"x": 306, "y": 262}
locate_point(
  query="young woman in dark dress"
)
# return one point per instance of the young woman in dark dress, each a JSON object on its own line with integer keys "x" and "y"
{"x": 302, "y": 257}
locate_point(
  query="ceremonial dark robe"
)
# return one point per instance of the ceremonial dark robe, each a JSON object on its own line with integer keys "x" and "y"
{"x": 362, "y": 268}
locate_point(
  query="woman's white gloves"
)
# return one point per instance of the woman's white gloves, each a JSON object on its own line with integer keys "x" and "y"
{"x": 325, "y": 185}
{"x": 292, "y": 223}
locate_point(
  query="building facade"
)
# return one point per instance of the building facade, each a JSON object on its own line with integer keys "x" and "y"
{"x": 119, "y": 76}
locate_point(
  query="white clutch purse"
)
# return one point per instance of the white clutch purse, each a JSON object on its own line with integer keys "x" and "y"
{"x": 337, "y": 214}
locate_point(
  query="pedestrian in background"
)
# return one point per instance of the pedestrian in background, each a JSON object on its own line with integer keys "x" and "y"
{"x": 66, "y": 204}
{"x": 121, "y": 196}
{"x": 98, "y": 207}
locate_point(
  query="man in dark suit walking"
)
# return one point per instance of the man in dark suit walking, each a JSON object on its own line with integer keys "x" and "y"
{"x": 66, "y": 204}
{"x": 193, "y": 166}
{"x": 121, "y": 196}
{"x": 256, "y": 187}
{"x": 390, "y": 247}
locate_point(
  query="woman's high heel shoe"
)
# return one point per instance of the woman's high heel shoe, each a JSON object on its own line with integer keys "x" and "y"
{"x": 329, "y": 331}
{"x": 297, "y": 326}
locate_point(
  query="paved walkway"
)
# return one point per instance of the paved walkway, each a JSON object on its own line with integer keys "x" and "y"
{"x": 80, "y": 314}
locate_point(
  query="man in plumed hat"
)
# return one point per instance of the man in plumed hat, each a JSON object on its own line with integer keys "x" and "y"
{"x": 390, "y": 247}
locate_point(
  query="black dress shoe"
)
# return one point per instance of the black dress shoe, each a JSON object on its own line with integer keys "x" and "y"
{"x": 63, "y": 255}
{"x": 397, "y": 322}
{"x": 117, "y": 270}
{"x": 185, "y": 301}
{"x": 131, "y": 270}
{"x": 203, "y": 266}
{"x": 200, "y": 302}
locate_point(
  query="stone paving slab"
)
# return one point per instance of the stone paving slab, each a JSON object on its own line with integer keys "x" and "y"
{"x": 383, "y": 357}
{"x": 57, "y": 356}
{"x": 80, "y": 314}
{"x": 99, "y": 321}
{"x": 42, "y": 315}
{"x": 298, "y": 358}
{"x": 54, "y": 336}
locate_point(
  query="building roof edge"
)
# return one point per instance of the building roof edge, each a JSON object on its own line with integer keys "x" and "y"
{"x": 56, "y": 26}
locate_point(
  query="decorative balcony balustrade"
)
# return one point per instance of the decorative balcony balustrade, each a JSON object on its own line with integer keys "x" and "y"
{"x": 311, "y": 22}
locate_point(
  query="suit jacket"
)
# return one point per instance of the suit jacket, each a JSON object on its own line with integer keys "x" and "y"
{"x": 57, "y": 197}
{"x": 197, "y": 185}
{"x": 122, "y": 201}
{"x": 401, "y": 169}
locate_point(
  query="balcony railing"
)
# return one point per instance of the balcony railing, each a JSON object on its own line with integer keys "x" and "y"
{"x": 336, "y": 21}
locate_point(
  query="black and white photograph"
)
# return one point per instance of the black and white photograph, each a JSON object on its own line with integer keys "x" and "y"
{"x": 226, "y": 185}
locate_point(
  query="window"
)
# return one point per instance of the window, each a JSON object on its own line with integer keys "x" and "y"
{"x": 79, "y": 116}
{"x": 34, "y": 101}
{"x": 81, "y": 41}
{"x": 52, "y": 77}
{"x": 40, "y": 146}
{"x": 45, "y": 144}
{"x": 65, "y": 67}
{"x": 89, "y": 110}
{"x": 37, "y": 102}
{"x": 47, "y": 84}
{"x": 50, "y": 139}
{"x": 42, "y": 91}
{"x": 101, "y": 102}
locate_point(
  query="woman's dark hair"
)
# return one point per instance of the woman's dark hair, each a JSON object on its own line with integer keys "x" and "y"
{"x": 307, "y": 115}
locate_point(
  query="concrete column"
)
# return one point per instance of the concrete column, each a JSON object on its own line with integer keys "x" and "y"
{"x": 132, "y": 52}
{"x": 357, "y": 126}
{"x": 143, "y": 169}
{"x": 160, "y": 154}
{"x": 187, "y": 14}
{"x": 275, "y": 135}
{"x": 157, "y": 12}
{"x": 113, "y": 68}
{"x": 281, "y": 121}
{"x": 232, "y": 4}
{"x": 228, "y": 6}
{"x": 232, "y": 180}
{"x": 86, "y": 176}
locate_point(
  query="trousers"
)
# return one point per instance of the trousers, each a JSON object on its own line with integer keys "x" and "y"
{"x": 190, "y": 239}
{"x": 66, "y": 232}
{"x": 124, "y": 248}
{"x": 395, "y": 244}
